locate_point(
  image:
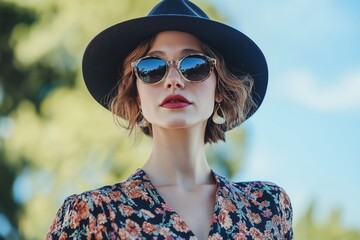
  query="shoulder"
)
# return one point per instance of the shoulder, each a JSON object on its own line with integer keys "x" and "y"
{"x": 262, "y": 189}
{"x": 261, "y": 207}
{"x": 261, "y": 194}
{"x": 79, "y": 211}
{"x": 255, "y": 190}
{"x": 121, "y": 192}
{"x": 94, "y": 198}
{"x": 84, "y": 212}
{"x": 269, "y": 199}
{"x": 265, "y": 192}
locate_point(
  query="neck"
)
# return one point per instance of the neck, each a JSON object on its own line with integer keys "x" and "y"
{"x": 178, "y": 158}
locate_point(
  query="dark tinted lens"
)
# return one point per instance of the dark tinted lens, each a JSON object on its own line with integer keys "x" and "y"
{"x": 195, "y": 68}
{"x": 151, "y": 70}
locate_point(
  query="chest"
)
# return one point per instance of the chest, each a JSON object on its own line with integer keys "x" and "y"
{"x": 214, "y": 212}
{"x": 173, "y": 214}
{"x": 194, "y": 207}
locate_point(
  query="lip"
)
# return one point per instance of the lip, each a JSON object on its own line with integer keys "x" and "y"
{"x": 175, "y": 101}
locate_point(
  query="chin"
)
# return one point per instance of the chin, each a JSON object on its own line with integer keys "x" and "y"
{"x": 176, "y": 124}
{"x": 181, "y": 124}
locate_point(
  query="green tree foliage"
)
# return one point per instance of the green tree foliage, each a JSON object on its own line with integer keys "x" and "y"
{"x": 10, "y": 15}
{"x": 20, "y": 81}
{"x": 307, "y": 228}
{"x": 55, "y": 139}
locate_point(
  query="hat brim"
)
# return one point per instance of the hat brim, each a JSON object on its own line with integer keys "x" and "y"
{"x": 104, "y": 56}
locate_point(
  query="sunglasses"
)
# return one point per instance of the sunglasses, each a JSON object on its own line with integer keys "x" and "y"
{"x": 193, "y": 68}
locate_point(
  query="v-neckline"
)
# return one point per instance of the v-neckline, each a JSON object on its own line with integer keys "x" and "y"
{"x": 172, "y": 210}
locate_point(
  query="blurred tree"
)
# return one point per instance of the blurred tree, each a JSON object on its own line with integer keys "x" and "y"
{"x": 10, "y": 16}
{"x": 307, "y": 228}
{"x": 18, "y": 82}
{"x": 55, "y": 140}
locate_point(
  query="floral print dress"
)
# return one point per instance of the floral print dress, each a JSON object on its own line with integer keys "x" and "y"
{"x": 133, "y": 209}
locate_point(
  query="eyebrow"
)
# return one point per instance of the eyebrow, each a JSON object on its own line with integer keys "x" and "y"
{"x": 182, "y": 52}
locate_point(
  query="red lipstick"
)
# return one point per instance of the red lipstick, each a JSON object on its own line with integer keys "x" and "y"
{"x": 175, "y": 101}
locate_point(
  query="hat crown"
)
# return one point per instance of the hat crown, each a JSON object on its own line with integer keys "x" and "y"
{"x": 177, "y": 7}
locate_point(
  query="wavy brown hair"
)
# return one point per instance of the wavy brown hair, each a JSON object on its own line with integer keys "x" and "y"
{"x": 234, "y": 90}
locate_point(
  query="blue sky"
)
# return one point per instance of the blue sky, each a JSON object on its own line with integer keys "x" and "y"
{"x": 306, "y": 135}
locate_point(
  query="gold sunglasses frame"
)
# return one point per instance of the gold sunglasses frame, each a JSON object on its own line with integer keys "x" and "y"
{"x": 176, "y": 63}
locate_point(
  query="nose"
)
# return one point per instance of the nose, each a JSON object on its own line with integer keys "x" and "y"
{"x": 173, "y": 79}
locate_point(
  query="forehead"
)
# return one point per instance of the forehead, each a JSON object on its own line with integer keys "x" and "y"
{"x": 173, "y": 41}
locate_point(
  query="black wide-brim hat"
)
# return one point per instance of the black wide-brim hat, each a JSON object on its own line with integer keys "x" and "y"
{"x": 104, "y": 56}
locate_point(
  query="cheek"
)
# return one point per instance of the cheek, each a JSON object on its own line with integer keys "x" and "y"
{"x": 147, "y": 97}
{"x": 206, "y": 94}
{"x": 208, "y": 89}
{"x": 143, "y": 93}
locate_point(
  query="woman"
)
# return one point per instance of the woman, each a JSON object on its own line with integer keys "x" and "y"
{"x": 184, "y": 80}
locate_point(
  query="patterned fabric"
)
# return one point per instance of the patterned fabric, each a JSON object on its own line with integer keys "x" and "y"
{"x": 133, "y": 209}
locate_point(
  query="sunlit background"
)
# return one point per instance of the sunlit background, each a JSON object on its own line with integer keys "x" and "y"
{"x": 306, "y": 136}
{"x": 55, "y": 140}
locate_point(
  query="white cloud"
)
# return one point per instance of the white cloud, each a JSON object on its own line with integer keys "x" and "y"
{"x": 341, "y": 95}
